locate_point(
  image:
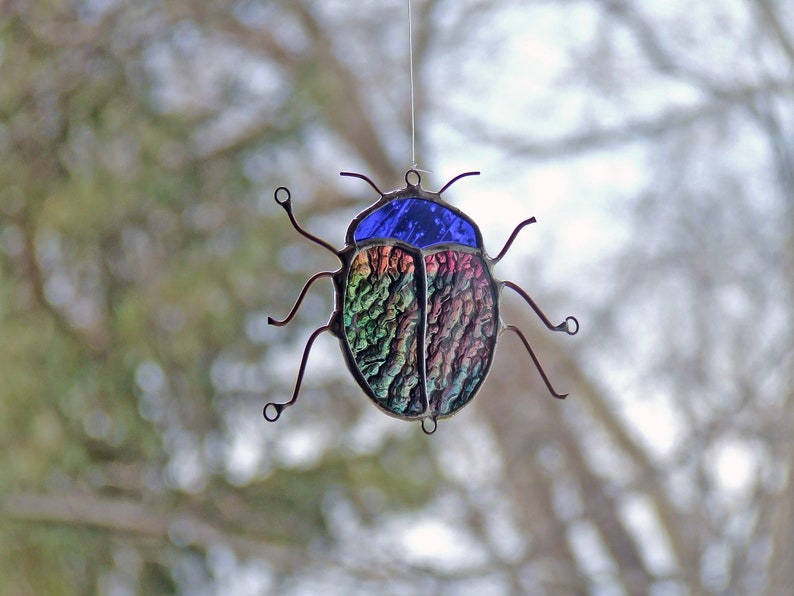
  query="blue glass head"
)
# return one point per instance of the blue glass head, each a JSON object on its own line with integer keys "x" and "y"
{"x": 418, "y": 222}
{"x": 414, "y": 216}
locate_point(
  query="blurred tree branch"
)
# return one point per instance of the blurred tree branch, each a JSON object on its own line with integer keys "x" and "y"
{"x": 671, "y": 121}
{"x": 132, "y": 517}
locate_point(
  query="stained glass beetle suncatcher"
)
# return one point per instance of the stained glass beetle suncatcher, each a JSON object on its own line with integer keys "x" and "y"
{"x": 417, "y": 307}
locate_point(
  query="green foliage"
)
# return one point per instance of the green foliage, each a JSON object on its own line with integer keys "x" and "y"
{"x": 130, "y": 262}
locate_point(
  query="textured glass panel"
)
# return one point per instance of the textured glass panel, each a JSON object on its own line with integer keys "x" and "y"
{"x": 461, "y": 328}
{"x": 381, "y": 317}
{"x": 418, "y": 222}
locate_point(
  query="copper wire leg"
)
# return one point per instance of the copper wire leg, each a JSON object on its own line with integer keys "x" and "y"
{"x": 301, "y": 296}
{"x": 277, "y": 408}
{"x": 570, "y": 325}
{"x": 512, "y": 238}
{"x": 286, "y": 203}
{"x": 521, "y": 336}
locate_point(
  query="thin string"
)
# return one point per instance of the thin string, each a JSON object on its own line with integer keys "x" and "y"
{"x": 414, "y": 165}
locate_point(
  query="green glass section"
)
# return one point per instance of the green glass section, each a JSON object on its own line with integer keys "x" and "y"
{"x": 381, "y": 319}
{"x": 462, "y": 325}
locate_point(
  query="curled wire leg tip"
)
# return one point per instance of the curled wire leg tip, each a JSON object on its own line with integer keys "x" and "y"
{"x": 570, "y": 326}
{"x": 272, "y": 411}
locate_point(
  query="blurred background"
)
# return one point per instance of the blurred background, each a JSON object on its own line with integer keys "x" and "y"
{"x": 141, "y": 252}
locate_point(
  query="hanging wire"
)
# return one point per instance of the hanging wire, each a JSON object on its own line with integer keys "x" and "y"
{"x": 414, "y": 165}
{"x": 411, "y": 71}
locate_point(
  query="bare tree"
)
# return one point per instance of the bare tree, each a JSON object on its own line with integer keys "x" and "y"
{"x": 142, "y": 253}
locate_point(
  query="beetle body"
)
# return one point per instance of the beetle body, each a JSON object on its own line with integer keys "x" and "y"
{"x": 417, "y": 306}
{"x": 419, "y": 309}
